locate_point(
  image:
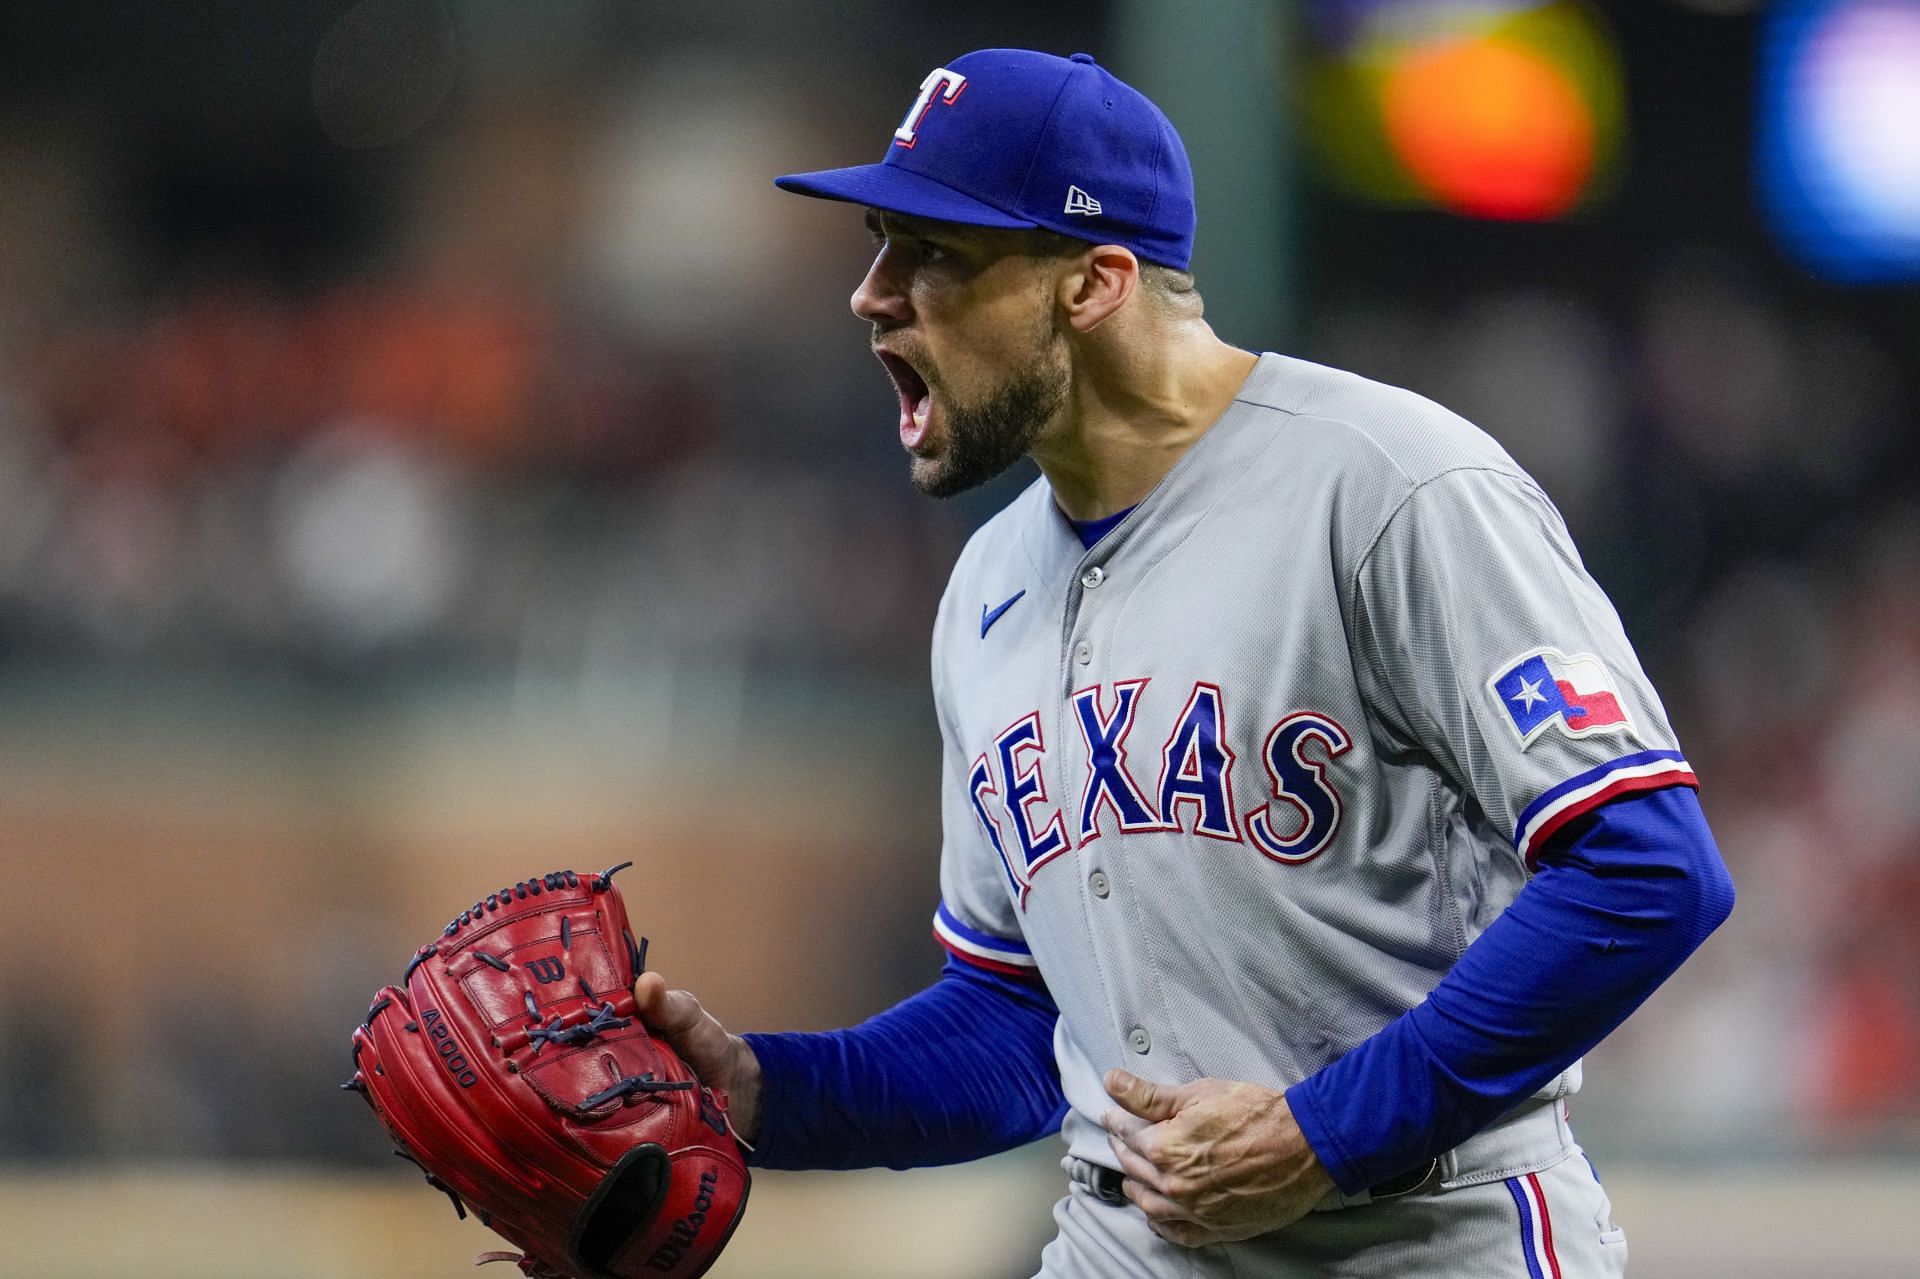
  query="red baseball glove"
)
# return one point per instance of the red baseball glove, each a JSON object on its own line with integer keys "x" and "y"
{"x": 510, "y": 1066}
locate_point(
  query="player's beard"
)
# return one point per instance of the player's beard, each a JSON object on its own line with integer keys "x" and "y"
{"x": 987, "y": 436}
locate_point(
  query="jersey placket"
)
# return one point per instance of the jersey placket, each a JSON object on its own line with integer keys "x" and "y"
{"x": 1108, "y": 918}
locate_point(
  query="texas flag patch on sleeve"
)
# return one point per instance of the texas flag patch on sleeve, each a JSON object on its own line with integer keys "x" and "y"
{"x": 1546, "y": 688}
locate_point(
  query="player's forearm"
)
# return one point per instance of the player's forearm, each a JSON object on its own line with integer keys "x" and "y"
{"x": 962, "y": 1070}
{"x": 1603, "y": 924}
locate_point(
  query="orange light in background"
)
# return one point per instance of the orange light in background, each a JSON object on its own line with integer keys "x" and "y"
{"x": 1490, "y": 128}
{"x": 1486, "y": 108}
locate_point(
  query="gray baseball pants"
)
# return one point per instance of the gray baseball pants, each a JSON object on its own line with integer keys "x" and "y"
{"x": 1553, "y": 1224}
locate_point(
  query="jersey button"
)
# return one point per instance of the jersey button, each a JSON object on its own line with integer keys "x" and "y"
{"x": 1098, "y": 883}
{"x": 1093, "y": 577}
{"x": 1083, "y": 652}
{"x": 1139, "y": 1040}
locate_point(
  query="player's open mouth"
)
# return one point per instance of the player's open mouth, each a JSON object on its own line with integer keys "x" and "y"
{"x": 916, "y": 400}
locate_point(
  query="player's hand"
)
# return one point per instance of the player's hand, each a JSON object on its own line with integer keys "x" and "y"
{"x": 720, "y": 1060}
{"x": 1212, "y": 1160}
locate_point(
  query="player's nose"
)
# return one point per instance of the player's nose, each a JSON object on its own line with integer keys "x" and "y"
{"x": 882, "y": 298}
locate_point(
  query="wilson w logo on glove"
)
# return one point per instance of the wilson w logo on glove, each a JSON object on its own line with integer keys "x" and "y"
{"x": 510, "y": 1065}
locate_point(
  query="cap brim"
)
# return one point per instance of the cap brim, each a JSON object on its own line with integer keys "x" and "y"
{"x": 898, "y": 190}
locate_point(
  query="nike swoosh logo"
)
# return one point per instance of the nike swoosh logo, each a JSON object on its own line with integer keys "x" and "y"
{"x": 988, "y": 616}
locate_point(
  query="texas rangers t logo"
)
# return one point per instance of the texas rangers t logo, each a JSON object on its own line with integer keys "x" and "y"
{"x": 1546, "y": 687}
{"x": 947, "y": 84}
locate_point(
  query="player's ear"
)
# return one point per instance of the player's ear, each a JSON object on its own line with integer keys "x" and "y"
{"x": 1099, "y": 283}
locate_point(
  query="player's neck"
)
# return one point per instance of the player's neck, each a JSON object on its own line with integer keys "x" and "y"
{"x": 1134, "y": 410}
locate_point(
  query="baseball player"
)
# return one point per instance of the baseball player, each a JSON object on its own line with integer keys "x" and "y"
{"x": 1307, "y": 814}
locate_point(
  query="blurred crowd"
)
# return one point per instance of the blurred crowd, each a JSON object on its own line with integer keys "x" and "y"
{"x": 586, "y": 405}
{"x": 520, "y": 436}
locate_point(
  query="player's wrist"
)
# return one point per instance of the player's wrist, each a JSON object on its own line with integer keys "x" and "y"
{"x": 1310, "y": 1171}
{"x": 1329, "y": 1155}
{"x": 744, "y": 1086}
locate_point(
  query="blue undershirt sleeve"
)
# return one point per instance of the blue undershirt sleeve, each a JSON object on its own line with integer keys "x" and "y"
{"x": 1622, "y": 897}
{"x": 962, "y": 1070}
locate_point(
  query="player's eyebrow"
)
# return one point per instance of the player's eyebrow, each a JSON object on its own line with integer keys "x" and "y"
{"x": 882, "y": 223}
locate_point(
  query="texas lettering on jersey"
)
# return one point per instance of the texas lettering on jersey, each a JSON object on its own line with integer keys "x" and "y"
{"x": 1191, "y": 783}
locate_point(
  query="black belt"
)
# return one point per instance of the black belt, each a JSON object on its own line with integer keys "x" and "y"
{"x": 1105, "y": 1182}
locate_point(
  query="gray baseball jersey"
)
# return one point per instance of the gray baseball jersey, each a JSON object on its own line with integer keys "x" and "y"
{"x": 1245, "y": 779}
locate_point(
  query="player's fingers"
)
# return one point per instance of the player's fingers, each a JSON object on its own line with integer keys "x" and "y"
{"x": 1145, "y": 1139}
{"x": 661, "y": 1010}
{"x": 1185, "y": 1234}
{"x": 1142, "y": 1097}
{"x": 647, "y": 990}
{"x": 1142, "y": 1137}
{"x": 1159, "y": 1209}
{"x": 1136, "y": 1166}
{"x": 675, "y": 1013}
{"x": 668, "y": 1011}
{"x": 1121, "y": 1124}
{"x": 677, "y": 1016}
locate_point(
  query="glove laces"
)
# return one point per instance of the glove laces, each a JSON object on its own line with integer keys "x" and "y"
{"x": 558, "y": 1032}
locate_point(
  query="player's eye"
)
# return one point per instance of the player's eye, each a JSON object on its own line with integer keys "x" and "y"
{"x": 931, "y": 252}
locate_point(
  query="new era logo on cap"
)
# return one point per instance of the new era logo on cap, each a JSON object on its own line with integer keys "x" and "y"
{"x": 1007, "y": 137}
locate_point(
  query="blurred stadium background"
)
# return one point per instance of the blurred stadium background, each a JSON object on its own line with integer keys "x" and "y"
{"x": 432, "y": 453}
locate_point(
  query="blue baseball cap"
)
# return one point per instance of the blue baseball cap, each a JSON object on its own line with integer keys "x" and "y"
{"x": 1014, "y": 138}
